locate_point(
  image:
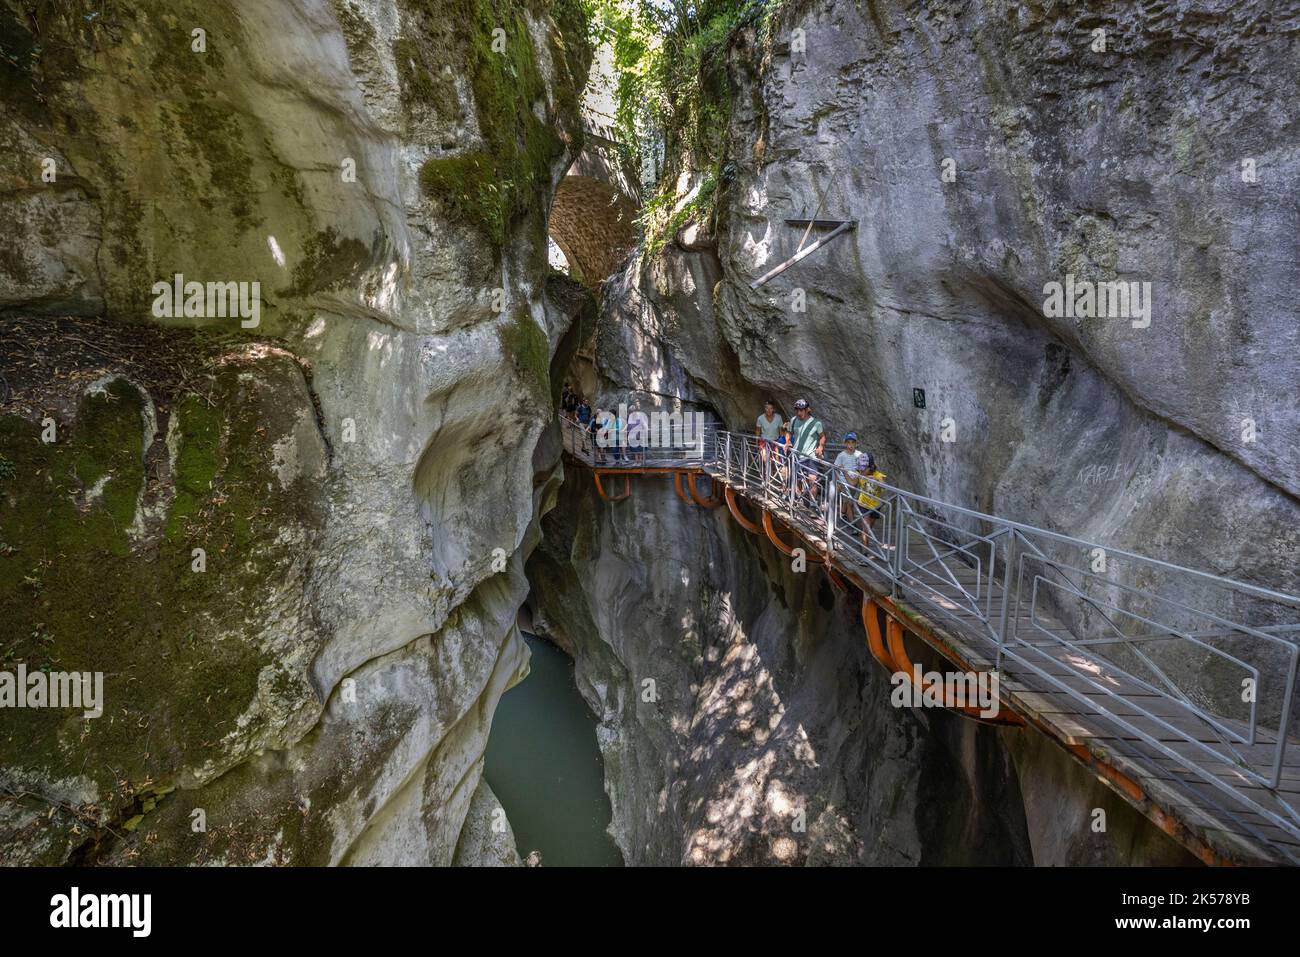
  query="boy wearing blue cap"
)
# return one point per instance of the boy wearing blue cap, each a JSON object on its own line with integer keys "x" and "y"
{"x": 846, "y": 467}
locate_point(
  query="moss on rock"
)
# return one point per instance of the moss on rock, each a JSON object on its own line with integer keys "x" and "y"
{"x": 466, "y": 186}
{"x": 423, "y": 83}
{"x": 493, "y": 188}
{"x": 527, "y": 348}
{"x": 182, "y": 651}
{"x": 329, "y": 261}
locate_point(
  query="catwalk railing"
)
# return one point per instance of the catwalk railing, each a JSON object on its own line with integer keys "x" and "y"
{"x": 1136, "y": 630}
{"x": 1198, "y": 667}
{"x": 669, "y": 440}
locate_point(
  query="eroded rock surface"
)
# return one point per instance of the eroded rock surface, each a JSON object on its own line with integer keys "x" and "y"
{"x": 1125, "y": 164}
{"x": 358, "y": 469}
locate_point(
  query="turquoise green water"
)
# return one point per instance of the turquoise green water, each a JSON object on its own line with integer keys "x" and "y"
{"x": 545, "y": 767}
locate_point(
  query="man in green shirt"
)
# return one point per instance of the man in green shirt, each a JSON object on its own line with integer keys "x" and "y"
{"x": 809, "y": 439}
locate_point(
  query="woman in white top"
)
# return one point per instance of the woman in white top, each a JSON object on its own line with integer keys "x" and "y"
{"x": 768, "y": 429}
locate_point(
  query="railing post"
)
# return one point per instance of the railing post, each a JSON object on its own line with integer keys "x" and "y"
{"x": 795, "y": 466}
{"x": 900, "y": 542}
{"x": 833, "y": 496}
{"x": 1008, "y": 577}
{"x": 726, "y": 457}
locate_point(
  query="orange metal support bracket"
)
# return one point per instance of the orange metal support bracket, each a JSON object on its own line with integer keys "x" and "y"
{"x": 677, "y": 487}
{"x": 713, "y": 501}
{"x": 627, "y": 487}
{"x": 893, "y": 655}
{"x": 898, "y": 652}
{"x": 730, "y": 495}
{"x": 875, "y": 641}
{"x": 809, "y": 555}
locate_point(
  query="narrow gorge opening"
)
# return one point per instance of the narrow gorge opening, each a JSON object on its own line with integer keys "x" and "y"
{"x": 743, "y": 716}
{"x": 542, "y": 760}
{"x": 544, "y": 766}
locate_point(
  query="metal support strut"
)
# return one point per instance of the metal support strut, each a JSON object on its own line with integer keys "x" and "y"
{"x": 715, "y": 497}
{"x": 810, "y": 555}
{"x": 600, "y": 488}
{"x": 677, "y": 487}
{"x": 730, "y": 495}
{"x": 892, "y": 653}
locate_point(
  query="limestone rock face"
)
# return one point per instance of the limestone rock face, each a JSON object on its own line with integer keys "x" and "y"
{"x": 1129, "y": 164}
{"x": 356, "y": 471}
{"x": 742, "y": 721}
{"x": 1170, "y": 439}
{"x": 486, "y": 840}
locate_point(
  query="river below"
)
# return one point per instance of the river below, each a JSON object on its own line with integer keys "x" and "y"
{"x": 544, "y": 765}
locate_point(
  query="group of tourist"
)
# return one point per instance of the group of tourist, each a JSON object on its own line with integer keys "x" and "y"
{"x": 621, "y": 439}
{"x": 798, "y": 443}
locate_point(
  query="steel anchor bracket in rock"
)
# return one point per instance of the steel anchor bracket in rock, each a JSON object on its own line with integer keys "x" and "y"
{"x": 843, "y": 227}
{"x": 600, "y": 488}
{"x": 694, "y": 498}
{"x": 715, "y": 496}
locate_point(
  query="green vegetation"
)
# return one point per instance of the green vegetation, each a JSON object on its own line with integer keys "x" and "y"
{"x": 496, "y": 187}
{"x": 419, "y": 83}
{"x": 526, "y": 346}
{"x": 82, "y": 590}
{"x": 673, "y": 92}
{"x": 466, "y": 185}
{"x": 109, "y": 456}
{"x": 667, "y": 56}
{"x": 660, "y": 223}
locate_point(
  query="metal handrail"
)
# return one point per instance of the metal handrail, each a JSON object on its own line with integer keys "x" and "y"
{"x": 983, "y": 574}
{"x": 810, "y": 493}
{"x": 612, "y": 449}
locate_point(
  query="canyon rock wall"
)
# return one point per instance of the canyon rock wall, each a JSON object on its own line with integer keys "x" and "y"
{"x": 742, "y": 719}
{"x": 294, "y": 549}
{"x": 1125, "y": 164}
{"x": 1164, "y": 158}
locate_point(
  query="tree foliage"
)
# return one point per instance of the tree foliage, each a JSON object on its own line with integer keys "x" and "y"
{"x": 668, "y": 57}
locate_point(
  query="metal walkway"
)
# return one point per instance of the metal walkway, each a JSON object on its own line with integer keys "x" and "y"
{"x": 1175, "y": 686}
